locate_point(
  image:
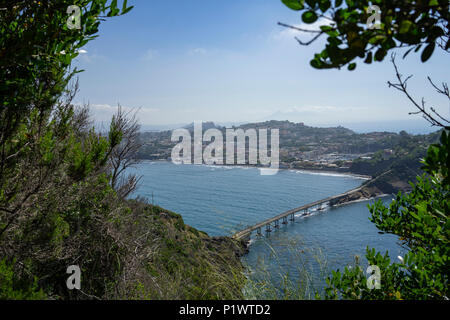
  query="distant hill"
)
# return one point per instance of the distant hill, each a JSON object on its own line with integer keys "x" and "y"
{"x": 205, "y": 126}
{"x": 393, "y": 156}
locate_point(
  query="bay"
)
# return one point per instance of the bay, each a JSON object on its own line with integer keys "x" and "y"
{"x": 221, "y": 200}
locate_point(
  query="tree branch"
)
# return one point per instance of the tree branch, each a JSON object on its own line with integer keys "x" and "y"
{"x": 434, "y": 120}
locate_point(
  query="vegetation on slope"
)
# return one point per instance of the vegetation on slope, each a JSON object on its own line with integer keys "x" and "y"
{"x": 62, "y": 184}
{"x": 170, "y": 260}
{"x": 394, "y": 173}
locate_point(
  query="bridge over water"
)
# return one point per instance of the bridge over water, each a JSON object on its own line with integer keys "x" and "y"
{"x": 274, "y": 222}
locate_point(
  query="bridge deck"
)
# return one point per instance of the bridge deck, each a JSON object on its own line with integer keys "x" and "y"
{"x": 243, "y": 233}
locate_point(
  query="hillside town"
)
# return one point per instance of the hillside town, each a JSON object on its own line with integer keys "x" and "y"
{"x": 301, "y": 146}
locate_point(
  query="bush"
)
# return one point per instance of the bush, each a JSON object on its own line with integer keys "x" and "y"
{"x": 421, "y": 220}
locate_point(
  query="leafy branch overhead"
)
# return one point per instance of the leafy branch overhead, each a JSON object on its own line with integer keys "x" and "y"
{"x": 351, "y": 34}
{"x": 31, "y": 54}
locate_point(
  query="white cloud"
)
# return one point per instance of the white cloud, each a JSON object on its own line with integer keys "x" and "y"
{"x": 197, "y": 51}
{"x": 80, "y": 51}
{"x": 86, "y": 57}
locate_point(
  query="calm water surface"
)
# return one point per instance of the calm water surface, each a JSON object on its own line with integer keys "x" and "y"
{"x": 221, "y": 200}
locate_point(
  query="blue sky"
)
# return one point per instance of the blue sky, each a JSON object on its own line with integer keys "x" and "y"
{"x": 229, "y": 61}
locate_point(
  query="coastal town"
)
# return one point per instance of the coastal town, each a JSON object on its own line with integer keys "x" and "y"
{"x": 388, "y": 160}
{"x": 301, "y": 146}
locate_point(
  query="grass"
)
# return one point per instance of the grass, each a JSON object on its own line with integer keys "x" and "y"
{"x": 271, "y": 277}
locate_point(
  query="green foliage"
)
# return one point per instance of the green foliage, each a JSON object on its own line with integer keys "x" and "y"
{"x": 421, "y": 220}
{"x": 294, "y": 4}
{"x": 437, "y": 160}
{"x": 14, "y": 288}
{"x": 85, "y": 156}
{"x": 411, "y": 24}
{"x": 35, "y": 60}
{"x": 352, "y": 282}
{"x": 56, "y": 203}
{"x": 58, "y": 206}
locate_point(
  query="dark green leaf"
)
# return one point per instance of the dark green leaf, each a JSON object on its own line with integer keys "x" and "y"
{"x": 405, "y": 26}
{"x": 380, "y": 54}
{"x": 294, "y": 4}
{"x": 324, "y": 5}
{"x": 428, "y": 51}
{"x": 309, "y": 17}
{"x": 369, "y": 58}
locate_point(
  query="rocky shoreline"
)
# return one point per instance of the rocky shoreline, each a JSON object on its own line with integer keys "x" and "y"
{"x": 365, "y": 193}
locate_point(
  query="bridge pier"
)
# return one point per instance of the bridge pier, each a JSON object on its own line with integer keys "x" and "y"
{"x": 306, "y": 209}
{"x": 258, "y": 232}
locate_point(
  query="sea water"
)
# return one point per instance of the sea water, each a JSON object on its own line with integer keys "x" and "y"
{"x": 221, "y": 200}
